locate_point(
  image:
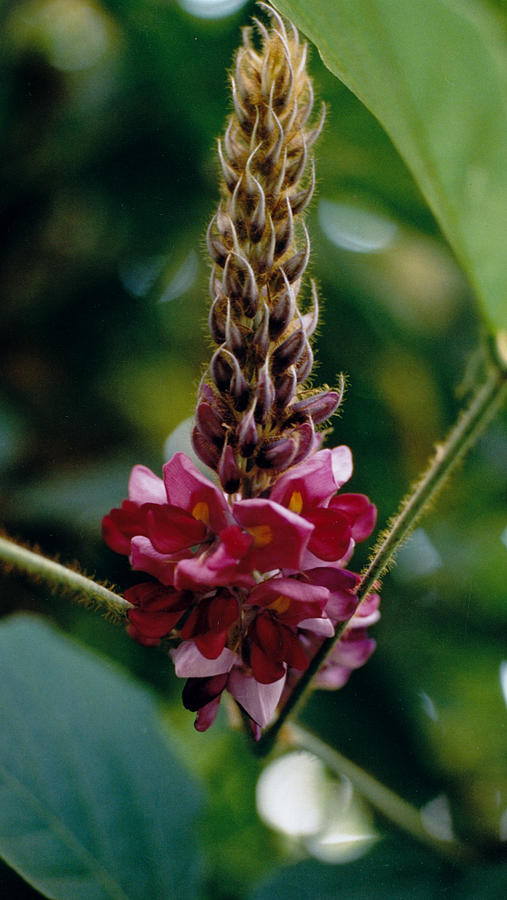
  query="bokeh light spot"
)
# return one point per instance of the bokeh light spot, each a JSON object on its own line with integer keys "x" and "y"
{"x": 211, "y": 9}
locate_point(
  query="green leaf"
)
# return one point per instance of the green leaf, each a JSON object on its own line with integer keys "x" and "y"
{"x": 93, "y": 803}
{"x": 395, "y": 869}
{"x": 434, "y": 73}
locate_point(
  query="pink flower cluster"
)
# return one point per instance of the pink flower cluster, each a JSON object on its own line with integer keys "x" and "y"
{"x": 246, "y": 588}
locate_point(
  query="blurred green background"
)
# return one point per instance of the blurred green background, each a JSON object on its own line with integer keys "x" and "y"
{"x": 109, "y": 114}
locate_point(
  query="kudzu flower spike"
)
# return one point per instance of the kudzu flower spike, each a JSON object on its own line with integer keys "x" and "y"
{"x": 247, "y": 575}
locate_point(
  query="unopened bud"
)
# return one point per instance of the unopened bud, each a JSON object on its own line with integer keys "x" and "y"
{"x": 247, "y": 433}
{"x": 209, "y": 423}
{"x": 207, "y": 452}
{"x": 319, "y": 407}
{"x": 277, "y": 454}
{"x": 228, "y": 471}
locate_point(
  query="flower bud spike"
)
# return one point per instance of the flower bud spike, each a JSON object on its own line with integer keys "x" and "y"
{"x": 231, "y": 584}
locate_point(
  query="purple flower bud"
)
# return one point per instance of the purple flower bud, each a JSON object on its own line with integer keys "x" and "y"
{"x": 296, "y": 265}
{"x": 305, "y": 435}
{"x": 277, "y": 454}
{"x": 209, "y": 423}
{"x": 288, "y": 352}
{"x": 319, "y": 407}
{"x": 285, "y": 232}
{"x": 281, "y": 314}
{"x": 260, "y": 338}
{"x": 285, "y": 386}
{"x": 247, "y": 433}
{"x": 207, "y": 453}
{"x": 216, "y": 247}
{"x": 240, "y": 285}
{"x": 304, "y": 364}
{"x": 228, "y": 471}
{"x": 220, "y": 370}
{"x": 264, "y": 394}
{"x": 300, "y": 200}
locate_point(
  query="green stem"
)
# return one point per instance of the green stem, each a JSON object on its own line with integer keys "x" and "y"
{"x": 83, "y": 590}
{"x": 398, "y": 811}
{"x": 470, "y": 425}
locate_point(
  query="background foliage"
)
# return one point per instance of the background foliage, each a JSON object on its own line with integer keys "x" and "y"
{"x": 109, "y": 115}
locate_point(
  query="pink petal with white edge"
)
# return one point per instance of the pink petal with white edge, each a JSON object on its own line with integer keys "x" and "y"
{"x": 190, "y": 663}
{"x": 258, "y": 700}
{"x": 146, "y": 487}
{"x": 187, "y": 487}
{"x": 144, "y": 558}
{"x": 322, "y": 627}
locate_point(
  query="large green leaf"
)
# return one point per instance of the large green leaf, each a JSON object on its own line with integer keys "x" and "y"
{"x": 434, "y": 73}
{"x": 93, "y": 803}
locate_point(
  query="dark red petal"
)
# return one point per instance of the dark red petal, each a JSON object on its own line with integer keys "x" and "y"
{"x": 266, "y": 632}
{"x": 154, "y": 624}
{"x": 171, "y": 529}
{"x": 294, "y": 654}
{"x": 330, "y": 539}
{"x": 211, "y": 644}
{"x": 223, "y": 611}
{"x": 200, "y": 691}
{"x": 264, "y": 669}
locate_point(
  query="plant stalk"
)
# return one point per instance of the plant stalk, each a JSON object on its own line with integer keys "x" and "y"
{"x": 84, "y": 590}
{"x": 486, "y": 401}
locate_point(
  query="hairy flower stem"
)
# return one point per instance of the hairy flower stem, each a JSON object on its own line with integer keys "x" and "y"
{"x": 394, "y": 808}
{"x": 82, "y": 589}
{"x": 471, "y": 423}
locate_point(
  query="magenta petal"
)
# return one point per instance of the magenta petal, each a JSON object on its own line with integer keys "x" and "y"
{"x": 280, "y": 536}
{"x": 331, "y": 538}
{"x": 214, "y": 570}
{"x": 351, "y": 651}
{"x": 299, "y": 591}
{"x": 190, "y": 489}
{"x": 361, "y": 513}
{"x": 146, "y": 487}
{"x": 190, "y": 663}
{"x": 316, "y": 479}
{"x": 258, "y": 700}
{"x": 332, "y": 677}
